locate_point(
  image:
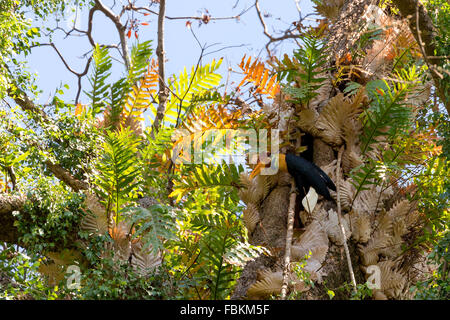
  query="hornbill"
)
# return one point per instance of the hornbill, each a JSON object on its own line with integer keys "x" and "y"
{"x": 305, "y": 173}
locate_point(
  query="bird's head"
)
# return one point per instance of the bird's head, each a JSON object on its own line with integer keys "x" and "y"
{"x": 276, "y": 162}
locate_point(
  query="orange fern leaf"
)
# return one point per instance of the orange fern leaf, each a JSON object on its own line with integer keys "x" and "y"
{"x": 141, "y": 94}
{"x": 79, "y": 109}
{"x": 260, "y": 77}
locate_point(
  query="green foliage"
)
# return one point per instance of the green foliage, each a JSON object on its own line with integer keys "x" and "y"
{"x": 221, "y": 252}
{"x": 100, "y": 74}
{"x": 388, "y": 117}
{"x": 110, "y": 281}
{"x": 439, "y": 11}
{"x": 73, "y": 142}
{"x": 305, "y": 68}
{"x": 50, "y": 220}
{"x": 388, "y": 114}
{"x": 118, "y": 170}
{"x": 142, "y": 83}
{"x": 119, "y": 90}
{"x": 187, "y": 86}
{"x": 116, "y": 95}
{"x": 151, "y": 154}
{"x": 437, "y": 286}
{"x": 140, "y": 55}
{"x": 154, "y": 225}
{"x": 433, "y": 194}
{"x": 17, "y": 38}
{"x": 104, "y": 277}
{"x": 302, "y": 275}
{"x": 220, "y": 180}
{"x": 19, "y": 277}
{"x": 10, "y": 158}
{"x": 362, "y": 292}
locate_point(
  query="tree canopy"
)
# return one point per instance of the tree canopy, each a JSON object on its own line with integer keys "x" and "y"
{"x": 138, "y": 185}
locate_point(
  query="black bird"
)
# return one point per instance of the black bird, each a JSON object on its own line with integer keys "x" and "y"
{"x": 305, "y": 173}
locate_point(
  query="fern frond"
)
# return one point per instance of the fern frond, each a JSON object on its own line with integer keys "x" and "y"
{"x": 154, "y": 226}
{"x": 328, "y": 8}
{"x": 117, "y": 170}
{"x": 206, "y": 127}
{"x": 223, "y": 178}
{"x": 388, "y": 114}
{"x": 305, "y": 68}
{"x": 141, "y": 94}
{"x": 251, "y": 217}
{"x": 113, "y": 113}
{"x": 98, "y": 79}
{"x": 140, "y": 54}
{"x": 219, "y": 240}
{"x": 256, "y": 73}
{"x": 186, "y": 87}
{"x": 336, "y": 114}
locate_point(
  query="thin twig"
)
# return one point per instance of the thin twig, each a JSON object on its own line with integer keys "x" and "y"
{"x": 338, "y": 200}
{"x": 289, "y": 233}
{"x": 287, "y": 33}
{"x": 79, "y": 75}
{"x": 202, "y": 18}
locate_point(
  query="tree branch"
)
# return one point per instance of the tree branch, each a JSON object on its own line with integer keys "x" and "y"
{"x": 79, "y": 75}
{"x": 286, "y": 35}
{"x": 9, "y": 204}
{"x": 39, "y": 115}
{"x": 338, "y": 200}
{"x": 202, "y": 18}
{"x": 119, "y": 26}
{"x": 424, "y": 32}
{"x": 65, "y": 176}
{"x": 289, "y": 233}
{"x": 163, "y": 92}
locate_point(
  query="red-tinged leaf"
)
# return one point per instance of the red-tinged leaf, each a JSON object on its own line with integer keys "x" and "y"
{"x": 188, "y": 24}
{"x": 380, "y": 92}
{"x": 79, "y": 109}
{"x": 135, "y": 34}
{"x": 129, "y": 34}
{"x": 146, "y": 14}
{"x": 144, "y": 23}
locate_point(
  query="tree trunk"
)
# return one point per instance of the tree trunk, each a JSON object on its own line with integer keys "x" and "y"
{"x": 376, "y": 221}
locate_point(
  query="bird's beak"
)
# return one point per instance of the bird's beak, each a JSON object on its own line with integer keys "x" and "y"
{"x": 257, "y": 170}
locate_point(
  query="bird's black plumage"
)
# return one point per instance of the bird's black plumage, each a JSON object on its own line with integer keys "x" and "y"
{"x": 307, "y": 174}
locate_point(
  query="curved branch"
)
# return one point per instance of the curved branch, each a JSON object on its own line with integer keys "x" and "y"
{"x": 65, "y": 176}
{"x": 120, "y": 28}
{"x": 79, "y": 75}
{"x": 39, "y": 115}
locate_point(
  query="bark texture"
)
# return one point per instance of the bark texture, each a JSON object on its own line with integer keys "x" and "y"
{"x": 376, "y": 223}
{"x": 425, "y": 33}
{"x": 9, "y": 204}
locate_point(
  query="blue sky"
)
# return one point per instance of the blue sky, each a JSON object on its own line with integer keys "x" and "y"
{"x": 181, "y": 48}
